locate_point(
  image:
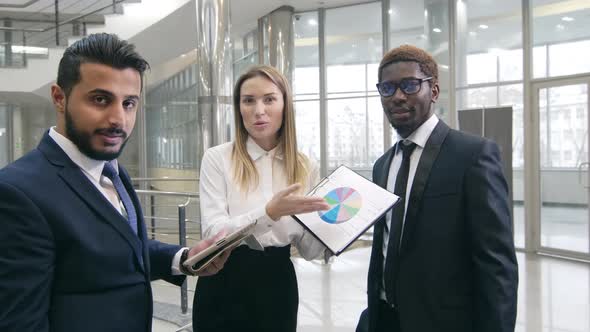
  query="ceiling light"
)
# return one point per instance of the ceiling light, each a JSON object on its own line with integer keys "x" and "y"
{"x": 472, "y": 33}
{"x": 437, "y": 30}
{"x": 560, "y": 27}
{"x": 567, "y": 19}
{"x": 313, "y": 22}
{"x": 390, "y": 11}
{"x": 483, "y": 26}
{"x": 29, "y": 49}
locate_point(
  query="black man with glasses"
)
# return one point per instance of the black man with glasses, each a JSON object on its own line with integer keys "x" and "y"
{"x": 443, "y": 258}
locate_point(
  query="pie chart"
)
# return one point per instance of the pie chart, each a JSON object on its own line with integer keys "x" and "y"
{"x": 344, "y": 202}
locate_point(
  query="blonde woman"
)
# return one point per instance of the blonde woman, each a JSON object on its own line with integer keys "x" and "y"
{"x": 259, "y": 177}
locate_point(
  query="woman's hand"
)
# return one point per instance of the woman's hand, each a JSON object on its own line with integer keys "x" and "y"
{"x": 285, "y": 203}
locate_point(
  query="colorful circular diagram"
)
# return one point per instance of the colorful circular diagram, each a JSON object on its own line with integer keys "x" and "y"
{"x": 344, "y": 202}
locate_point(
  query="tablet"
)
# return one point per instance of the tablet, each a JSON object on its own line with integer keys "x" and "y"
{"x": 200, "y": 261}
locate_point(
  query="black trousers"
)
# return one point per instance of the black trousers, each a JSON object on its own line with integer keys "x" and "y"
{"x": 255, "y": 291}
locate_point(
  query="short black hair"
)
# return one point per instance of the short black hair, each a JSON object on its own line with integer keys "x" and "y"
{"x": 411, "y": 53}
{"x": 102, "y": 48}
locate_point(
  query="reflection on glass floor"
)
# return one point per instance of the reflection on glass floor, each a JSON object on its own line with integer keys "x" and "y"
{"x": 562, "y": 227}
{"x": 553, "y": 296}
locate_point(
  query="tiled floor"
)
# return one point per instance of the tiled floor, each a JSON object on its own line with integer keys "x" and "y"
{"x": 554, "y": 294}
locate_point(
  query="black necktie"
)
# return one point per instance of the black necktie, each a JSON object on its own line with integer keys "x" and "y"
{"x": 109, "y": 172}
{"x": 395, "y": 228}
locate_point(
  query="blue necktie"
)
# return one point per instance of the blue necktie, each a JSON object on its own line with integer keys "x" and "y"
{"x": 110, "y": 173}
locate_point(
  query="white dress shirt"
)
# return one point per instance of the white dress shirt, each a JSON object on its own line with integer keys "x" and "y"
{"x": 92, "y": 169}
{"x": 225, "y": 206}
{"x": 419, "y": 137}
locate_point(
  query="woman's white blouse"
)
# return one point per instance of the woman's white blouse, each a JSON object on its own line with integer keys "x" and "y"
{"x": 225, "y": 206}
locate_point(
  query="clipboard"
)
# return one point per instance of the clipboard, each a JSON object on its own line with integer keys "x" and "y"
{"x": 355, "y": 205}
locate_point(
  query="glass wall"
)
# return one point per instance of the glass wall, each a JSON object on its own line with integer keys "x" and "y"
{"x": 563, "y": 132}
{"x": 490, "y": 73}
{"x": 561, "y": 41}
{"x": 355, "y": 117}
{"x": 4, "y": 141}
{"x": 245, "y": 52}
{"x": 172, "y": 122}
{"x": 12, "y": 50}
{"x": 424, "y": 24}
{"x": 561, "y": 37}
{"x": 306, "y": 84}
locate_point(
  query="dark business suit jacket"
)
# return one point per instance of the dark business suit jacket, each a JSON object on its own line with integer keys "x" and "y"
{"x": 69, "y": 261}
{"x": 457, "y": 268}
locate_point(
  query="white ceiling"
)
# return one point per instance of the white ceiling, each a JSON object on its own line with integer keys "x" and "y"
{"x": 244, "y": 13}
{"x": 502, "y": 16}
{"x": 64, "y": 6}
{"x": 247, "y": 9}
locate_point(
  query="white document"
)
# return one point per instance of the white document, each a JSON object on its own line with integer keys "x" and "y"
{"x": 355, "y": 205}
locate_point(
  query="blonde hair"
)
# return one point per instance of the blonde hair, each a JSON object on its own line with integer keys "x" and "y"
{"x": 296, "y": 164}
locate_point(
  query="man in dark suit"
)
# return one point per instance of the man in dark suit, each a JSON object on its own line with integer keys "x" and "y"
{"x": 74, "y": 251}
{"x": 443, "y": 259}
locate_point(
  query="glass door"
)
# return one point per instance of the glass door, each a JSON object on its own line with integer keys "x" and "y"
{"x": 563, "y": 144}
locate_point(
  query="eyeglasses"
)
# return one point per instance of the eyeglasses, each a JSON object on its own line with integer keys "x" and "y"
{"x": 409, "y": 86}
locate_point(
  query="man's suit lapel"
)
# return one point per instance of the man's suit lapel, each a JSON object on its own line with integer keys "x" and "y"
{"x": 381, "y": 176}
{"x": 141, "y": 229}
{"x": 79, "y": 183}
{"x": 425, "y": 164}
{"x": 382, "y": 181}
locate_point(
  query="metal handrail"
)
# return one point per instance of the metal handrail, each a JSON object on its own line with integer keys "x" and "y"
{"x": 166, "y": 205}
{"x": 164, "y": 178}
{"x": 115, "y": 2}
{"x": 167, "y": 193}
{"x": 18, "y": 5}
{"x": 159, "y": 218}
{"x": 182, "y": 222}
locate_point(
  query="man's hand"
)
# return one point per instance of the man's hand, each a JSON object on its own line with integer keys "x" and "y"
{"x": 285, "y": 203}
{"x": 218, "y": 263}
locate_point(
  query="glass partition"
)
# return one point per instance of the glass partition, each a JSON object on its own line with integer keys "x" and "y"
{"x": 245, "y": 52}
{"x": 561, "y": 37}
{"x": 306, "y": 84}
{"x": 355, "y": 117}
{"x": 424, "y": 24}
{"x": 4, "y": 141}
{"x": 489, "y": 60}
{"x": 563, "y": 137}
{"x": 172, "y": 122}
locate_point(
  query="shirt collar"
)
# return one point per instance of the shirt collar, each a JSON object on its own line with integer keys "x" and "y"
{"x": 255, "y": 151}
{"x": 90, "y": 166}
{"x": 420, "y": 136}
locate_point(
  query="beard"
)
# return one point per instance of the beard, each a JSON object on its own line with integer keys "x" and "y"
{"x": 83, "y": 139}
